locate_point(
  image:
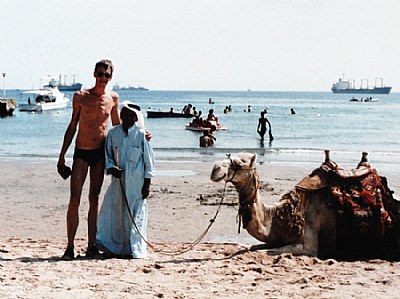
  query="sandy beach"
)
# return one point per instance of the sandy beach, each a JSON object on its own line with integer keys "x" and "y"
{"x": 183, "y": 200}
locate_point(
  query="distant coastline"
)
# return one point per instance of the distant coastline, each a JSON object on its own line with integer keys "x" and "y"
{"x": 116, "y": 87}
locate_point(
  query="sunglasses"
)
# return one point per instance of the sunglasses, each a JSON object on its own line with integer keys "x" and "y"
{"x": 101, "y": 75}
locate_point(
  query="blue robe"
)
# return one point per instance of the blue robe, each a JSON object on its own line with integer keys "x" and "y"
{"x": 116, "y": 232}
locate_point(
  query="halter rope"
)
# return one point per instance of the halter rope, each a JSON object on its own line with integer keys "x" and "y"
{"x": 248, "y": 202}
{"x": 166, "y": 252}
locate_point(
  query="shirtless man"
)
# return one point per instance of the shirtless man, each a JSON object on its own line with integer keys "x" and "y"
{"x": 262, "y": 126}
{"x": 208, "y": 137}
{"x": 92, "y": 109}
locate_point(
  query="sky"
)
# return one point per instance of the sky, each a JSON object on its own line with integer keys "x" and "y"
{"x": 262, "y": 45}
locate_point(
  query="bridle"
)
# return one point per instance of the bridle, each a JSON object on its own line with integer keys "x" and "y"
{"x": 244, "y": 205}
{"x": 235, "y": 168}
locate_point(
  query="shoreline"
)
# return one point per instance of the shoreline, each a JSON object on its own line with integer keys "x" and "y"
{"x": 386, "y": 164}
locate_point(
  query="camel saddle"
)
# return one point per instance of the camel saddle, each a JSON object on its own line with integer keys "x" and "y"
{"x": 358, "y": 194}
{"x": 318, "y": 179}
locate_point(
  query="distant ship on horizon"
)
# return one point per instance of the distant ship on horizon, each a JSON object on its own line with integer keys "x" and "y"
{"x": 140, "y": 88}
{"x": 64, "y": 87}
{"x": 348, "y": 86}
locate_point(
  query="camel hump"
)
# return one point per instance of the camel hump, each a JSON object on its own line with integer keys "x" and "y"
{"x": 315, "y": 181}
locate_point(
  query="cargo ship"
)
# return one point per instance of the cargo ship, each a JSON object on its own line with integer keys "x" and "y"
{"x": 116, "y": 87}
{"x": 348, "y": 86}
{"x": 64, "y": 87}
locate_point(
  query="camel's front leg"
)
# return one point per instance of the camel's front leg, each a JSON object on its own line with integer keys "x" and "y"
{"x": 310, "y": 246}
{"x": 310, "y": 243}
{"x": 295, "y": 249}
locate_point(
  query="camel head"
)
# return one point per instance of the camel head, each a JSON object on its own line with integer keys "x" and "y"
{"x": 240, "y": 170}
{"x": 233, "y": 168}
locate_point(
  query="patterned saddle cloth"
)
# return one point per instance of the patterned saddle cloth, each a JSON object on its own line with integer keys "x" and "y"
{"x": 359, "y": 197}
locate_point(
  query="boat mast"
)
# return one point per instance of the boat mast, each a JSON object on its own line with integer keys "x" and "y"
{"x": 362, "y": 80}
{"x": 379, "y": 78}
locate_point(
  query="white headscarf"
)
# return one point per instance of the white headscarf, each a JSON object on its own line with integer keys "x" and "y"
{"x": 135, "y": 108}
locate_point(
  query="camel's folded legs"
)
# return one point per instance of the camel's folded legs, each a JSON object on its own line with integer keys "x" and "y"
{"x": 295, "y": 249}
{"x": 310, "y": 239}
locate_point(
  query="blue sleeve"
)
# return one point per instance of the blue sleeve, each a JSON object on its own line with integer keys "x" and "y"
{"x": 110, "y": 163}
{"x": 149, "y": 161}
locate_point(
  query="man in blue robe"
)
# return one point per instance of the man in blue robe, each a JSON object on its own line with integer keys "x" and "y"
{"x": 130, "y": 160}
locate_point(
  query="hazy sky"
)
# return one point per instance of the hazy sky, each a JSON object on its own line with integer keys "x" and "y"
{"x": 278, "y": 45}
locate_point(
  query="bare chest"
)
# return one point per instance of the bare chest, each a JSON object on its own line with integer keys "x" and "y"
{"x": 96, "y": 108}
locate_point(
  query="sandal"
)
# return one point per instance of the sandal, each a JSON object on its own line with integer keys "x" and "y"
{"x": 93, "y": 252}
{"x": 68, "y": 254}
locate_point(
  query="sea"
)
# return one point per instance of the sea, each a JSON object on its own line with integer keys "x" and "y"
{"x": 322, "y": 120}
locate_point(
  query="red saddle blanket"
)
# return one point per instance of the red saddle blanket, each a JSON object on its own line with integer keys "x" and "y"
{"x": 358, "y": 195}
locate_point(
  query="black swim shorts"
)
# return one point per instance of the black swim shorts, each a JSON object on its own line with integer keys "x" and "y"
{"x": 92, "y": 157}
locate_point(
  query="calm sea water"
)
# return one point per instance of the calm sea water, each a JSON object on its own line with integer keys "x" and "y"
{"x": 323, "y": 120}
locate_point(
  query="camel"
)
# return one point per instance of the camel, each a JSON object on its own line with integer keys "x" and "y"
{"x": 305, "y": 221}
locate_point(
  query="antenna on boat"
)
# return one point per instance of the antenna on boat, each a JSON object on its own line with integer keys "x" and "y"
{"x": 29, "y": 62}
{"x": 4, "y": 85}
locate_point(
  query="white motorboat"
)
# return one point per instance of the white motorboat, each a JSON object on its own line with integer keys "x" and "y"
{"x": 44, "y": 99}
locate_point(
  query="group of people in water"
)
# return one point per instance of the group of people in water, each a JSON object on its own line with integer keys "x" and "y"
{"x": 208, "y": 138}
{"x": 210, "y": 123}
{"x": 207, "y": 125}
{"x": 367, "y": 99}
{"x": 264, "y": 125}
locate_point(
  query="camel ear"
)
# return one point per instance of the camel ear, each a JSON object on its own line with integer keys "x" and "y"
{"x": 253, "y": 160}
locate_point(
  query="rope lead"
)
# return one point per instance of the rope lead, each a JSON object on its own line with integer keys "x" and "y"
{"x": 167, "y": 252}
